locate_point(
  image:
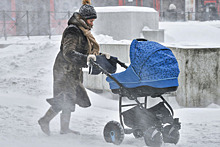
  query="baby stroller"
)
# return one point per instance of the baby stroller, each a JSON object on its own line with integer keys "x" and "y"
{"x": 153, "y": 72}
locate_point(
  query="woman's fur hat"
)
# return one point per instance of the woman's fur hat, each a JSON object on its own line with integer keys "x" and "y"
{"x": 86, "y": 2}
{"x": 87, "y": 11}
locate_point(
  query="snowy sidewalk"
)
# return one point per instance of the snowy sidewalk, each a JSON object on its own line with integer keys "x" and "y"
{"x": 26, "y": 81}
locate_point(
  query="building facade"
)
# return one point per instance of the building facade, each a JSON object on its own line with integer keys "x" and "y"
{"x": 43, "y": 17}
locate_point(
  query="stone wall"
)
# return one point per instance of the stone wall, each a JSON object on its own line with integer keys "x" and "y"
{"x": 199, "y": 80}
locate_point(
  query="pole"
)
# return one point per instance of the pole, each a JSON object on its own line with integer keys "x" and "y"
{"x": 219, "y": 9}
{"x": 120, "y": 2}
{"x": 28, "y": 33}
{"x": 49, "y": 29}
{"x": 153, "y": 3}
{"x": 4, "y": 25}
{"x": 69, "y": 14}
{"x": 161, "y": 9}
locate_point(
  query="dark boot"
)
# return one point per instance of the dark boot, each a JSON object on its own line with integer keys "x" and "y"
{"x": 45, "y": 120}
{"x": 64, "y": 124}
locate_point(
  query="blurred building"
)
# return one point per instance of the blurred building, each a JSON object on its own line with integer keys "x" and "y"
{"x": 35, "y": 17}
{"x": 208, "y": 9}
{"x": 43, "y": 17}
{"x": 184, "y": 9}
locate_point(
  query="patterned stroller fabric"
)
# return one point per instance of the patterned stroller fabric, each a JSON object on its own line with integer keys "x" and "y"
{"x": 152, "y": 64}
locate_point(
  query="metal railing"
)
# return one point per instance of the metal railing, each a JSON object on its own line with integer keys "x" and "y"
{"x": 186, "y": 16}
{"x": 34, "y": 23}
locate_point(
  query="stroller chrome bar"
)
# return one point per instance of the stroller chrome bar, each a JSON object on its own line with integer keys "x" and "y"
{"x": 105, "y": 72}
{"x": 122, "y": 88}
{"x": 120, "y": 108}
{"x": 168, "y": 105}
{"x": 131, "y": 105}
{"x": 122, "y": 64}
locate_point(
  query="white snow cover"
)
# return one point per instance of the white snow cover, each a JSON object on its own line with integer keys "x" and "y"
{"x": 124, "y": 9}
{"x": 26, "y": 81}
{"x": 192, "y": 34}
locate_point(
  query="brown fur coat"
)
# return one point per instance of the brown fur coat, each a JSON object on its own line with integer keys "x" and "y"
{"x": 67, "y": 71}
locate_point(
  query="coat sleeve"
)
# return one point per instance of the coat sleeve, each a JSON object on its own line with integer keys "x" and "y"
{"x": 69, "y": 44}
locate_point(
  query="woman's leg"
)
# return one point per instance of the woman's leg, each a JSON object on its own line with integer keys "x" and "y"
{"x": 65, "y": 121}
{"x": 45, "y": 120}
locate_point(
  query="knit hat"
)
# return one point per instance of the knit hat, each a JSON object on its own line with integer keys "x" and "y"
{"x": 87, "y": 11}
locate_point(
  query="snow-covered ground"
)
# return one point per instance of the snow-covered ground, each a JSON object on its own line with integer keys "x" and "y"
{"x": 192, "y": 34}
{"x": 26, "y": 81}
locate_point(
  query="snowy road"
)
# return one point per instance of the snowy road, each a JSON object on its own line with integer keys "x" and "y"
{"x": 19, "y": 128}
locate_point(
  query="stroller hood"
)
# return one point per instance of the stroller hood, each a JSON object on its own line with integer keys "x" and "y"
{"x": 152, "y": 64}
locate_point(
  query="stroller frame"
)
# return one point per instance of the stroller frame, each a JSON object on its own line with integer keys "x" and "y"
{"x": 154, "y": 139}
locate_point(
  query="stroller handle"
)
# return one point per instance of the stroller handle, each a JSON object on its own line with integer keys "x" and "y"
{"x": 122, "y": 64}
{"x": 122, "y": 88}
{"x": 92, "y": 62}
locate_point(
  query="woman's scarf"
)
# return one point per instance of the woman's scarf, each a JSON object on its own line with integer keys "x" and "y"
{"x": 93, "y": 45}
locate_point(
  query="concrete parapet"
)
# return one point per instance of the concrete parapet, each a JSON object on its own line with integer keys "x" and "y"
{"x": 95, "y": 82}
{"x": 122, "y": 51}
{"x": 199, "y": 80}
{"x": 125, "y": 22}
{"x": 154, "y": 35}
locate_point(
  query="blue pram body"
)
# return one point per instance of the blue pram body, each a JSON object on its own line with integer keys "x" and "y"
{"x": 152, "y": 64}
{"x": 153, "y": 71}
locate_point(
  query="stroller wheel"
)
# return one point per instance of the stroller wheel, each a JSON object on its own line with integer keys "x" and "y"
{"x": 113, "y": 132}
{"x": 153, "y": 137}
{"x": 138, "y": 133}
{"x": 170, "y": 134}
